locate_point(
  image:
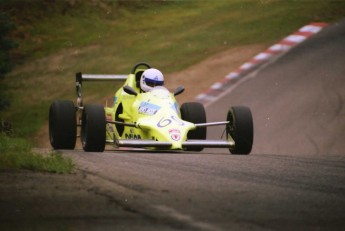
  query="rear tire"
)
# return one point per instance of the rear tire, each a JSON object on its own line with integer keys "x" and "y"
{"x": 195, "y": 113}
{"x": 240, "y": 128}
{"x": 62, "y": 125}
{"x": 93, "y": 128}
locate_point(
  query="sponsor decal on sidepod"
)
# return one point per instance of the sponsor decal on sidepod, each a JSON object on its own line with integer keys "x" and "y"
{"x": 175, "y": 134}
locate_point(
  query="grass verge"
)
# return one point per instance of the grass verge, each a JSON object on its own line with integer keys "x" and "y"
{"x": 16, "y": 153}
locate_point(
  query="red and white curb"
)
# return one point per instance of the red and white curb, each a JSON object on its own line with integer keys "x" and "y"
{"x": 279, "y": 48}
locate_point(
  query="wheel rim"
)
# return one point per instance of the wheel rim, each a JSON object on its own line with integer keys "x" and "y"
{"x": 231, "y": 126}
{"x": 51, "y": 128}
{"x": 83, "y": 134}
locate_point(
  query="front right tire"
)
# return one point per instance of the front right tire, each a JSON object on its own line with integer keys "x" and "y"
{"x": 62, "y": 125}
{"x": 93, "y": 128}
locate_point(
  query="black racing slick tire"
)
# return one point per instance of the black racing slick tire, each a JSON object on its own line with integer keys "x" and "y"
{"x": 62, "y": 125}
{"x": 93, "y": 128}
{"x": 194, "y": 112}
{"x": 241, "y": 129}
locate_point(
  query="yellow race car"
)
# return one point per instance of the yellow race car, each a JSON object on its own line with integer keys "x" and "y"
{"x": 151, "y": 120}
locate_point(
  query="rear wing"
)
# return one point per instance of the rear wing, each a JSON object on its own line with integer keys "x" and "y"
{"x": 80, "y": 78}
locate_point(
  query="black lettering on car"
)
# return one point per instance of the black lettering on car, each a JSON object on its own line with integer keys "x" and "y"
{"x": 132, "y": 136}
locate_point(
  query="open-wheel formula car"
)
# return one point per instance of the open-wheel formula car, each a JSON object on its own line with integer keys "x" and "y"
{"x": 151, "y": 120}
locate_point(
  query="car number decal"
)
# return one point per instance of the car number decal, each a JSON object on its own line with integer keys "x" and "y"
{"x": 167, "y": 121}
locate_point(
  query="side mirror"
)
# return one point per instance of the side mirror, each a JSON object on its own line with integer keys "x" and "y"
{"x": 179, "y": 90}
{"x": 129, "y": 90}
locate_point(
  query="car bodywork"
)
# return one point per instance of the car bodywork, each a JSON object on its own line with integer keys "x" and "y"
{"x": 151, "y": 119}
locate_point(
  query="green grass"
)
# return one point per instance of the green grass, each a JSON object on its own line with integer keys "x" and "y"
{"x": 16, "y": 153}
{"x": 111, "y": 36}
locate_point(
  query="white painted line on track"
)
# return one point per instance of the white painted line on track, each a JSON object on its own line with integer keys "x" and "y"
{"x": 184, "y": 218}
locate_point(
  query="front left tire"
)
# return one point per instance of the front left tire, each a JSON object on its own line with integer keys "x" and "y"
{"x": 194, "y": 112}
{"x": 241, "y": 129}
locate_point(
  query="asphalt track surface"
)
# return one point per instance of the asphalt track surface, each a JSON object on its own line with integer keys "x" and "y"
{"x": 294, "y": 179}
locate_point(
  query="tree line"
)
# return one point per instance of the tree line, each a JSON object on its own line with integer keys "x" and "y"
{"x": 6, "y": 62}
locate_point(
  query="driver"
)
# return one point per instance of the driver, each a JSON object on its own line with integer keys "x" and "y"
{"x": 150, "y": 79}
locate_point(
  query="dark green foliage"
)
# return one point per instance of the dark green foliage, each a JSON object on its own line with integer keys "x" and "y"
{"x": 6, "y": 44}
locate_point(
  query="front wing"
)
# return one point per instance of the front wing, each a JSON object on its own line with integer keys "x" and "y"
{"x": 167, "y": 145}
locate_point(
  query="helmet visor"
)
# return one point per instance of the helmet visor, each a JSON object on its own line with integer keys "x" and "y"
{"x": 153, "y": 83}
